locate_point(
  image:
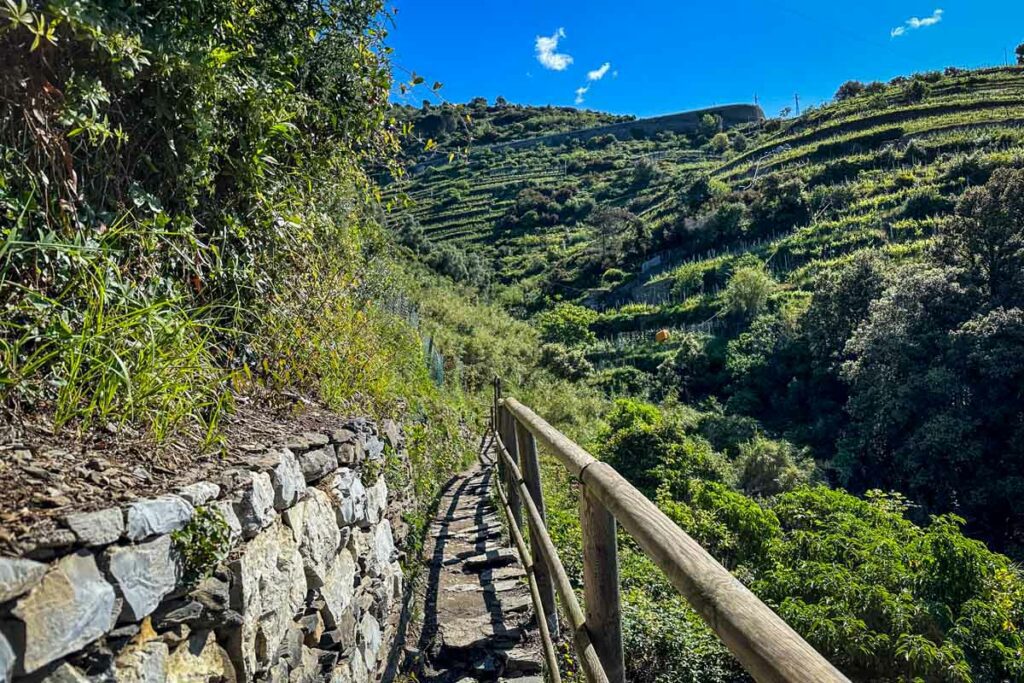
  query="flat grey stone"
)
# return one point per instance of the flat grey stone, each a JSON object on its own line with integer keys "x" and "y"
{"x": 227, "y": 511}
{"x": 97, "y": 528}
{"x": 144, "y": 573}
{"x": 374, "y": 448}
{"x": 255, "y": 508}
{"x": 343, "y": 435}
{"x": 351, "y": 495}
{"x": 71, "y": 607}
{"x": 288, "y": 480}
{"x": 155, "y": 516}
{"x": 200, "y": 493}
{"x": 376, "y": 500}
{"x": 339, "y": 588}
{"x": 18, "y": 575}
{"x": 320, "y": 537}
{"x": 306, "y": 441}
{"x": 369, "y": 640}
{"x": 490, "y": 560}
{"x": 318, "y": 463}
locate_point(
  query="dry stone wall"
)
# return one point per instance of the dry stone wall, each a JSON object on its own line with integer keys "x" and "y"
{"x": 310, "y": 589}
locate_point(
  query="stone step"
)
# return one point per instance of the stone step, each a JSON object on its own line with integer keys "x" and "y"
{"x": 490, "y": 560}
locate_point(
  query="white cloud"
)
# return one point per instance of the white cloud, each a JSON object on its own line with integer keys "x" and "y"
{"x": 546, "y": 55}
{"x": 592, "y": 77}
{"x": 598, "y": 74}
{"x": 916, "y": 23}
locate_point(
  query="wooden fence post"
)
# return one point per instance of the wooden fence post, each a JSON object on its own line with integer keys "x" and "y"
{"x": 508, "y": 437}
{"x": 529, "y": 463}
{"x": 601, "y": 585}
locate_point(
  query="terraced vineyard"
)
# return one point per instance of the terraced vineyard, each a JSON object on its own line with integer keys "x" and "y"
{"x": 864, "y": 164}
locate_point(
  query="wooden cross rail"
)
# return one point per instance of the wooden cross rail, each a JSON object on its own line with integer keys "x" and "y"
{"x": 761, "y": 641}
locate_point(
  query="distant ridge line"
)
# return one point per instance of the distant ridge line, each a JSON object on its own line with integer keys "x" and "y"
{"x": 683, "y": 122}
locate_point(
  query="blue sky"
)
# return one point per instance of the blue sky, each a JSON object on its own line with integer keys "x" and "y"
{"x": 671, "y": 56}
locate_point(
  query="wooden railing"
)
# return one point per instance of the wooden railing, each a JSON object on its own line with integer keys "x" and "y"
{"x": 759, "y": 639}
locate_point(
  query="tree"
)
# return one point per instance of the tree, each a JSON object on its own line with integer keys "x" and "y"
{"x": 986, "y": 237}
{"x": 710, "y": 124}
{"x": 839, "y": 305}
{"x": 1020, "y": 54}
{"x": 620, "y": 232}
{"x": 719, "y": 143}
{"x": 848, "y": 90}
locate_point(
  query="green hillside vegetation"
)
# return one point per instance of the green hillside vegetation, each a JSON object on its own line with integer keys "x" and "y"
{"x": 842, "y": 292}
{"x": 189, "y": 219}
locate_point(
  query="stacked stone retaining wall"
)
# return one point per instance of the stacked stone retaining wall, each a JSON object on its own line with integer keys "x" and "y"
{"x": 310, "y": 590}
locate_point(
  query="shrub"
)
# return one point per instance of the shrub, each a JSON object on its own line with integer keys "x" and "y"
{"x": 567, "y": 324}
{"x": 767, "y": 468}
{"x": 747, "y": 292}
{"x": 202, "y": 544}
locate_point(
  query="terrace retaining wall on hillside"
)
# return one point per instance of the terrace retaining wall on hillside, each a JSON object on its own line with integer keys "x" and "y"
{"x": 311, "y": 589}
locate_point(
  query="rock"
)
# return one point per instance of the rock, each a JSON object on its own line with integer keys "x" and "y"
{"x": 374, "y": 448}
{"x": 376, "y": 500}
{"x": 522, "y": 662}
{"x": 320, "y": 537}
{"x": 200, "y": 660}
{"x": 341, "y": 673}
{"x": 312, "y": 626}
{"x": 288, "y": 480}
{"x": 180, "y": 613}
{"x": 200, "y": 493}
{"x": 97, "y": 528}
{"x": 350, "y": 453}
{"x": 144, "y": 573}
{"x": 255, "y": 508}
{"x": 68, "y": 609}
{"x": 212, "y": 593}
{"x": 48, "y": 544}
{"x": 339, "y": 588}
{"x": 306, "y": 441}
{"x": 17, "y": 576}
{"x": 291, "y": 645}
{"x": 155, "y": 516}
{"x": 142, "y": 663}
{"x": 392, "y": 434}
{"x": 351, "y": 495}
{"x": 489, "y": 560}
{"x": 227, "y": 511}
{"x": 383, "y": 551}
{"x": 268, "y": 590}
{"x": 369, "y": 640}
{"x": 65, "y": 673}
{"x": 318, "y": 463}
{"x": 7, "y": 659}
{"x": 343, "y": 435}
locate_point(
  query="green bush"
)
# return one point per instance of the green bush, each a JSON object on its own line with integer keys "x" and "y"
{"x": 202, "y": 544}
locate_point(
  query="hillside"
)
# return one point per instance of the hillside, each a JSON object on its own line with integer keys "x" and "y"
{"x": 842, "y": 302}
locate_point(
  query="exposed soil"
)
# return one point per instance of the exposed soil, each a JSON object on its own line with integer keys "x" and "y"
{"x": 46, "y": 476}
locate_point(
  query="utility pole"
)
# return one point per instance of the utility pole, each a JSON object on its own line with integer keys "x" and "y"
{"x": 796, "y": 99}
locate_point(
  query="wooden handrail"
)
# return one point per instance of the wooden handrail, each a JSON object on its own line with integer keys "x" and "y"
{"x": 767, "y": 647}
{"x": 589, "y": 660}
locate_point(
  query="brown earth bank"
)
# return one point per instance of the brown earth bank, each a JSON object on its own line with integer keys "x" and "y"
{"x": 47, "y": 475}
